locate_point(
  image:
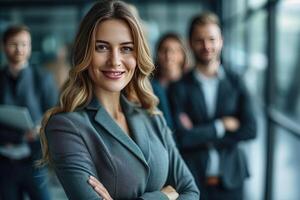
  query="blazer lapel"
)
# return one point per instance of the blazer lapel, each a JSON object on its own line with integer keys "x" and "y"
{"x": 139, "y": 128}
{"x": 105, "y": 120}
{"x": 198, "y": 96}
{"x": 223, "y": 87}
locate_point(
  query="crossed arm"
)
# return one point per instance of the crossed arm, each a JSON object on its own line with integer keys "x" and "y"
{"x": 169, "y": 191}
{"x": 74, "y": 166}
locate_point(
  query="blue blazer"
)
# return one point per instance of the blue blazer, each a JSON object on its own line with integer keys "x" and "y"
{"x": 163, "y": 105}
{"x": 34, "y": 89}
{"x": 232, "y": 100}
{"x": 89, "y": 142}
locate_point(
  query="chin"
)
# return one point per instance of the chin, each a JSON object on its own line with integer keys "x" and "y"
{"x": 114, "y": 89}
{"x": 204, "y": 62}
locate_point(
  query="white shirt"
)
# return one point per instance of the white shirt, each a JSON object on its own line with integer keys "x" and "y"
{"x": 209, "y": 86}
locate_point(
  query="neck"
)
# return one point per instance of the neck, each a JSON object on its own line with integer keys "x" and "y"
{"x": 111, "y": 103}
{"x": 210, "y": 69}
{"x": 15, "y": 68}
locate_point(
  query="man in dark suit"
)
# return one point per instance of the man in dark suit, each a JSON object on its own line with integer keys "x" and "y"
{"x": 22, "y": 85}
{"x": 213, "y": 114}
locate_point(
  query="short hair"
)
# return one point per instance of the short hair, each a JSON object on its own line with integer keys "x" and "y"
{"x": 14, "y": 30}
{"x": 202, "y": 19}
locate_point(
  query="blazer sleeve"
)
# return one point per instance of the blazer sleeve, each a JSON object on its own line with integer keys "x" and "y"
{"x": 245, "y": 113}
{"x": 179, "y": 176}
{"x": 70, "y": 158}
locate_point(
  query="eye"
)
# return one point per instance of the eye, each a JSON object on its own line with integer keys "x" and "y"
{"x": 101, "y": 47}
{"x": 127, "y": 49}
{"x": 199, "y": 41}
{"x": 12, "y": 44}
{"x": 23, "y": 44}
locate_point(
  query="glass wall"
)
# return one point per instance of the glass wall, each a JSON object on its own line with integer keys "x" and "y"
{"x": 245, "y": 40}
{"x": 161, "y": 17}
{"x": 50, "y": 27}
{"x": 262, "y": 43}
{"x": 288, "y": 57}
{"x": 287, "y": 146}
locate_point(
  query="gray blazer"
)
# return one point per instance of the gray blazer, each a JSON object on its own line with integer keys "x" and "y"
{"x": 89, "y": 142}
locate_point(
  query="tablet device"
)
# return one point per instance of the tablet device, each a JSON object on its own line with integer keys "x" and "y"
{"x": 16, "y": 116}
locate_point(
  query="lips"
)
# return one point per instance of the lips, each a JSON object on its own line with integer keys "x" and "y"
{"x": 113, "y": 74}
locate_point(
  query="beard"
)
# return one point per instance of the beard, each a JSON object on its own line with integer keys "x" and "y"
{"x": 206, "y": 60}
{"x": 17, "y": 58}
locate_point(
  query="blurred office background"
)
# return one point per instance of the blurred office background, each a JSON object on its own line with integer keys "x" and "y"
{"x": 262, "y": 43}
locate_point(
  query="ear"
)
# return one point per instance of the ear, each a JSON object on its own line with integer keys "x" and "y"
{"x": 221, "y": 42}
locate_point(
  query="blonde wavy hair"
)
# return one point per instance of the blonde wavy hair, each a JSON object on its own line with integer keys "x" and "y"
{"x": 78, "y": 90}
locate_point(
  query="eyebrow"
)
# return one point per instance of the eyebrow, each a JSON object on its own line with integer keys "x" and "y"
{"x": 105, "y": 42}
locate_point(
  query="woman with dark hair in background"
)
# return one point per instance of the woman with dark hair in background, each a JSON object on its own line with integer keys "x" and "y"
{"x": 170, "y": 62}
{"x": 107, "y": 128}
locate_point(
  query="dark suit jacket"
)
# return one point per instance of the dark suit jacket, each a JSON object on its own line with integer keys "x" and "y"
{"x": 34, "y": 89}
{"x": 232, "y": 100}
{"x": 89, "y": 142}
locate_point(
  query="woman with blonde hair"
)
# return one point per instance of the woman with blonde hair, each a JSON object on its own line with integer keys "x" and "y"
{"x": 106, "y": 140}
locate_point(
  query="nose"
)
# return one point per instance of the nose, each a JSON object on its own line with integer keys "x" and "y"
{"x": 206, "y": 44}
{"x": 18, "y": 47}
{"x": 115, "y": 58}
{"x": 169, "y": 54}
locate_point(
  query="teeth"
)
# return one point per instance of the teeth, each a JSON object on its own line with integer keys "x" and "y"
{"x": 115, "y": 73}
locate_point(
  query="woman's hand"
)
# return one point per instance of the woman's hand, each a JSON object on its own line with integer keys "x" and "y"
{"x": 170, "y": 192}
{"x": 99, "y": 188}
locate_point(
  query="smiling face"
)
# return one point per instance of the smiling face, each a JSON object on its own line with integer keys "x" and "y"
{"x": 206, "y": 43}
{"x": 171, "y": 59}
{"x": 18, "y": 48}
{"x": 114, "y": 58}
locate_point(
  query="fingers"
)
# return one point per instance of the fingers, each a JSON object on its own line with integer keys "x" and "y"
{"x": 170, "y": 192}
{"x": 231, "y": 123}
{"x": 185, "y": 121}
{"x": 168, "y": 188}
{"x": 29, "y": 136}
{"x": 32, "y": 134}
{"x": 99, "y": 188}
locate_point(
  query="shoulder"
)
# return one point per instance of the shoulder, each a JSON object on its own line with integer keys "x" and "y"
{"x": 232, "y": 75}
{"x": 235, "y": 79}
{"x": 155, "y": 83}
{"x": 179, "y": 89}
{"x": 3, "y": 71}
{"x": 185, "y": 80}
{"x": 157, "y": 88}
{"x": 158, "y": 121}
{"x": 41, "y": 73}
{"x": 68, "y": 120}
